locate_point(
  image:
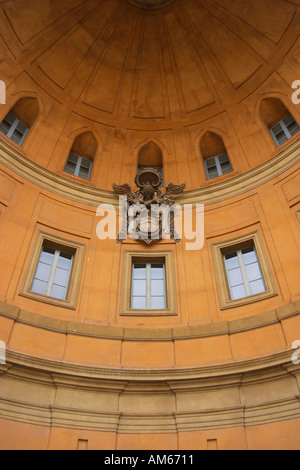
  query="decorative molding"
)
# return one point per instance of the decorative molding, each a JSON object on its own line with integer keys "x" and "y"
{"x": 163, "y": 334}
{"x": 17, "y": 162}
{"x": 149, "y": 202}
{"x": 100, "y": 403}
{"x": 221, "y": 274}
{"x": 129, "y": 258}
{"x": 78, "y": 252}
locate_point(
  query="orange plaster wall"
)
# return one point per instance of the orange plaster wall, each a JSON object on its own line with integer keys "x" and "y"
{"x": 282, "y": 435}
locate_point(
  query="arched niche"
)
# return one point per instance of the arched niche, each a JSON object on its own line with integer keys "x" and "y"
{"x": 215, "y": 157}
{"x": 150, "y": 156}
{"x": 82, "y": 155}
{"x": 277, "y": 118}
{"x": 20, "y": 119}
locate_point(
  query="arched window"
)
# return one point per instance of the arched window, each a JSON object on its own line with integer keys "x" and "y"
{"x": 20, "y": 118}
{"x": 214, "y": 154}
{"x": 150, "y": 156}
{"x": 280, "y": 122}
{"x": 81, "y": 157}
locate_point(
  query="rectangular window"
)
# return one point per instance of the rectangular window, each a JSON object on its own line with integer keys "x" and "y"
{"x": 79, "y": 166}
{"x": 148, "y": 286}
{"x": 54, "y": 271}
{"x": 148, "y": 283}
{"x": 243, "y": 273}
{"x": 14, "y": 129}
{"x": 284, "y": 129}
{"x": 217, "y": 166}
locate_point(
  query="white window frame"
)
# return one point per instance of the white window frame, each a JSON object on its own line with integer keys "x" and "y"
{"x": 78, "y": 166}
{"x": 13, "y": 127}
{"x": 284, "y": 129}
{"x": 50, "y": 282}
{"x": 218, "y": 165}
{"x": 149, "y": 294}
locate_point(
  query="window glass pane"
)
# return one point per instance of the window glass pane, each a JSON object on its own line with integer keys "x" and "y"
{"x": 61, "y": 277}
{"x": 231, "y": 260}
{"x": 58, "y": 292}
{"x": 225, "y": 163}
{"x": 21, "y": 127}
{"x": 71, "y": 164}
{"x": 39, "y": 287}
{"x": 157, "y": 287}
{"x": 235, "y": 277}
{"x": 223, "y": 158}
{"x": 211, "y": 168}
{"x": 157, "y": 271}
{"x": 43, "y": 272}
{"x": 281, "y": 137}
{"x": 84, "y": 173}
{"x": 47, "y": 255}
{"x": 210, "y": 162}
{"x": 257, "y": 287}
{"x": 293, "y": 128}
{"x": 158, "y": 303}
{"x": 139, "y": 271}
{"x": 291, "y": 124}
{"x": 212, "y": 172}
{"x": 238, "y": 292}
{"x": 5, "y": 126}
{"x": 85, "y": 167}
{"x": 10, "y": 118}
{"x": 86, "y": 163}
{"x": 226, "y": 168}
{"x": 73, "y": 158}
{"x": 139, "y": 287}
{"x": 7, "y": 123}
{"x": 279, "y": 134}
{"x": 139, "y": 303}
{"x": 65, "y": 260}
{"x": 17, "y": 137}
{"x": 249, "y": 255}
{"x": 19, "y": 132}
{"x": 253, "y": 272}
{"x": 70, "y": 168}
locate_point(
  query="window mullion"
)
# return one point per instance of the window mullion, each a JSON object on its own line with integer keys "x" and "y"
{"x": 206, "y": 169}
{"x": 219, "y": 169}
{"x": 148, "y": 286}
{"x": 285, "y": 129}
{"x": 90, "y": 169}
{"x": 243, "y": 272}
{"x": 52, "y": 273}
{"x": 24, "y": 135}
{"x": 13, "y": 128}
{"x": 78, "y": 165}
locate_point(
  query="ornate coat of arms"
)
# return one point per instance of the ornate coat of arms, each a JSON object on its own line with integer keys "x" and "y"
{"x": 147, "y": 207}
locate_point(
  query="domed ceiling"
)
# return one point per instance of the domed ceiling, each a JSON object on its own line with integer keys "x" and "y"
{"x": 113, "y": 62}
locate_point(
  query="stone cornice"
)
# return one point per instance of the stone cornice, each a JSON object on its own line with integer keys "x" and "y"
{"x": 109, "y": 413}
{"x": 86, "y": 375}
{"x": 16, "y": 161}
{"x": 163, "y": 334}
